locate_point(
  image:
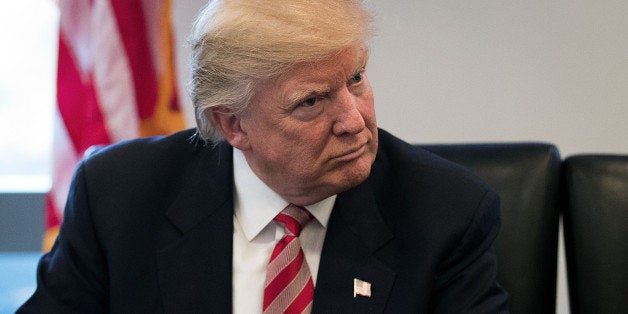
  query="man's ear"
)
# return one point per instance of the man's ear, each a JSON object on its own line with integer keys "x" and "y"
{"x": 230, "y": 127}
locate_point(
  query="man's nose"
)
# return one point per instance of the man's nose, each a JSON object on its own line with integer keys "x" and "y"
{"x": 348, "y": 118}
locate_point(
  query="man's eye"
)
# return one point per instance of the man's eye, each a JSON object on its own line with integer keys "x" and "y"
{"x": 309, "y": 108}
{"x": 309, "y": 102}
{"x": 357, "y": 78}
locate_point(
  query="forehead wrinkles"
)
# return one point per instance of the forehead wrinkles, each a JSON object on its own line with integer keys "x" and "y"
{"x": 322, "y": 76}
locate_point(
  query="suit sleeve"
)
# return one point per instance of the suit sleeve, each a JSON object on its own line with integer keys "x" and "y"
{"x": 72, "y": 277}
{"x": 466, "y": 279}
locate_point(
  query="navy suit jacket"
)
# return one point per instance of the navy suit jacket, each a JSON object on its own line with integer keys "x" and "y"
{"x": 148, "y": 228}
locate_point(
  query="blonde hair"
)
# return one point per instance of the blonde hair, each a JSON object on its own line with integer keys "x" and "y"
{"x": 237, "y": 43}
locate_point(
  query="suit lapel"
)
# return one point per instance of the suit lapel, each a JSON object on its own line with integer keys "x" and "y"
{"x": 195, "y": 241}
{"x": 194, "y": 253}
{"x": 355, "y": 232}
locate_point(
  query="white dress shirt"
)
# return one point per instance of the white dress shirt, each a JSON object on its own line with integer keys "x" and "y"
{"x": 256, "y": 233}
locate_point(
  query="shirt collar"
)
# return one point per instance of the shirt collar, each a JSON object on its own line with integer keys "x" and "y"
{"x": 255, "y": 204}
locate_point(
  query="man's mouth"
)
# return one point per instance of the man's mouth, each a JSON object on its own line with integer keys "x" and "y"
{"x": 352, "y": 153}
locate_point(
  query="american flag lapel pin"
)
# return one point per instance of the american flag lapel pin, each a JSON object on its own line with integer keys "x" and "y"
{"x": 361, "y": 287}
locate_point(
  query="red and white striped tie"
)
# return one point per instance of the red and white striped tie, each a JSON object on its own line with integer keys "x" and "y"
{"x": 289, "y": 287}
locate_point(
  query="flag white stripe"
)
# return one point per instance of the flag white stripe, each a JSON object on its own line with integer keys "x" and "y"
{"x": 112, "y": 75}
{"x": 152, "y": 12}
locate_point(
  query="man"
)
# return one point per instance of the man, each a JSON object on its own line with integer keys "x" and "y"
{"x": 296, "y": 201}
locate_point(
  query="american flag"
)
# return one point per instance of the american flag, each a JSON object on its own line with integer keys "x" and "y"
{"x": 361, "y": 287}
{"x": 115, "y": 81}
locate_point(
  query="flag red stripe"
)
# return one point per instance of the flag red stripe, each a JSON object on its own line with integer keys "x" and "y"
{"x": 77, "y": 102}
{"x": 132, "y": 28}
{"x": 53, "y": 219}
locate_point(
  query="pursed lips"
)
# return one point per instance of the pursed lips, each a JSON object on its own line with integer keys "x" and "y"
{"x": 357, "y": 151}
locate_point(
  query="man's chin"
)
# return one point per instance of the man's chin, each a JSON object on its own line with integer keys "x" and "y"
{"x": 356, "y": 175}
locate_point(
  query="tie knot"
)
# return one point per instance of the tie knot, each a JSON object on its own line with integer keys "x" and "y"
{"x": 294, "y": 217}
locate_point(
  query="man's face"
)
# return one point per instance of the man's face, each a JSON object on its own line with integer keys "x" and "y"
{"x": 312, "y": 133}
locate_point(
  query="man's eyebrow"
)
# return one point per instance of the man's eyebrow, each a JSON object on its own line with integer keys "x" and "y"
{"x": 302, "y": 94}
{"x": 364, "y": 59}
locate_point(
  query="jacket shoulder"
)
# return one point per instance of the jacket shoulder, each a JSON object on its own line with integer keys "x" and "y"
{"x": 180, "y": 142}
{"x": 413, "y": 162}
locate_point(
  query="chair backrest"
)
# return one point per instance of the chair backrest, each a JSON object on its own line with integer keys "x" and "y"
{"x": 596, "y": 233}
{"x": 527, "y": 178}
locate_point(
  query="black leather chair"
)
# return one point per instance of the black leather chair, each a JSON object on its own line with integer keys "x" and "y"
{"x": 527, "y": 178}
{"x": 596, "y": 233}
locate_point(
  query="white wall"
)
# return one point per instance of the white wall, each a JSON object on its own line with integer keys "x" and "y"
{"x": 495, "y": 70}
{"x": 503, "y": 70}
